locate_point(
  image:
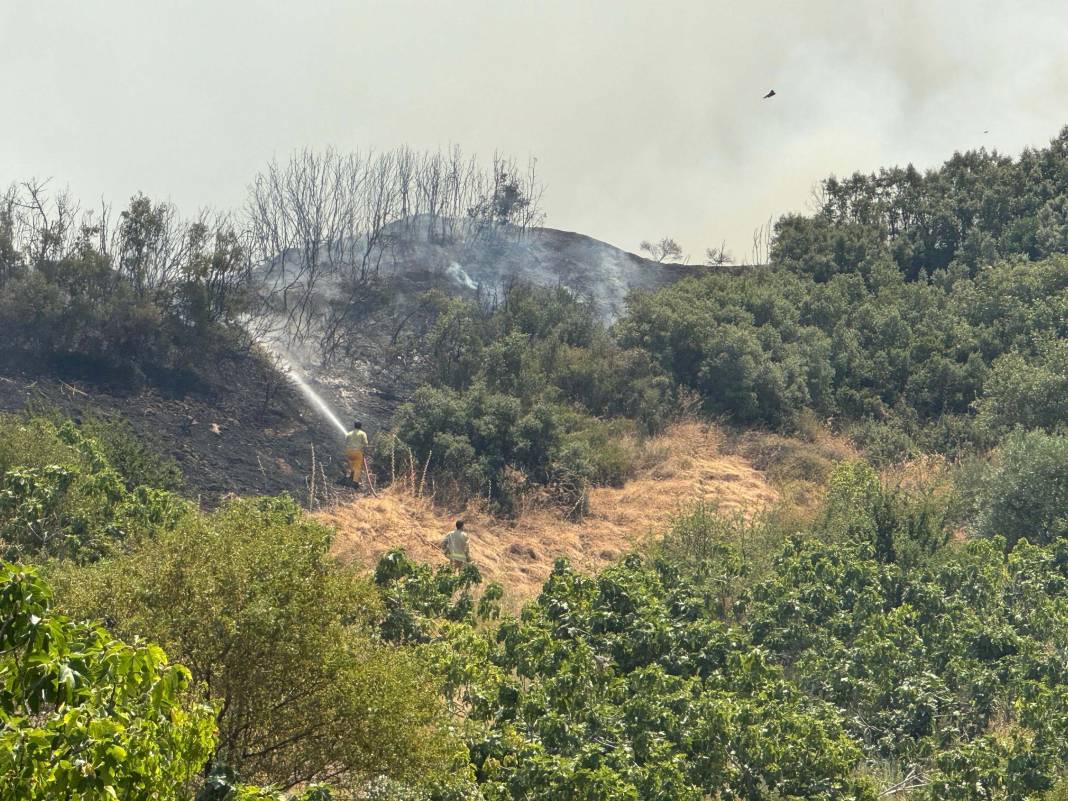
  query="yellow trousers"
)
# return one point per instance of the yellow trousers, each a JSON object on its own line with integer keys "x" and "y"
{"x": 355, "y": 464}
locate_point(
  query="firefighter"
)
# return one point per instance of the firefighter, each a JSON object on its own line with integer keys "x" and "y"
{"x": 456, "y": 548}
{"x": 355, "y": 444}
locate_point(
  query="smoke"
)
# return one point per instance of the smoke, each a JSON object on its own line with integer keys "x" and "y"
{"x": 460, "y": 276}
{"x": 646, "y": 117}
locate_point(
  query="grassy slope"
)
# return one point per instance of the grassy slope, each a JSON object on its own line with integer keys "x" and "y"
{"x": 687, "y": 464}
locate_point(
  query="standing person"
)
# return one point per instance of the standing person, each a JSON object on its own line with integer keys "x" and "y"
{"x": 355, "y": 444}
{"x": 455, "y": 546}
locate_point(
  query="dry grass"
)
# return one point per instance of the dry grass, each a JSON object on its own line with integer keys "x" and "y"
{"x": 685, "y": 465}
{"x": 797, "y": 467}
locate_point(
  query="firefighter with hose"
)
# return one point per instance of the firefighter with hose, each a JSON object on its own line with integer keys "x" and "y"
{"x": 355, "y": 445}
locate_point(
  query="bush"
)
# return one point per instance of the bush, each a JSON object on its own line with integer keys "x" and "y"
{"x": 86, "y": 715}
{"x": 65, "y": 500}
{"x": 894, "y": 524}
{"x": 724, "y": 553}
{"x": 250, "y": 599}
{"x": 883, "y": 443}
{"x": 1027, "y": 393}
{"x": 1025, "y": 495}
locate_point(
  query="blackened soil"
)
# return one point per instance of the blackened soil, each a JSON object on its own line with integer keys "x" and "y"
{"x": 253, "y": 435}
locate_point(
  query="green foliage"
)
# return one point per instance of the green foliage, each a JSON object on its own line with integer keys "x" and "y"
{"x": 532, "y": 393}
{"x": 1027, "y": 391}
{"x": 907, "y": 304}
{"x": 897, "y": 526}
{"x": 723, "y": 554}
{"x": 223, "y": 785}
{"x": 250, "y": 600}
{"x": 764, "y": 348}
{"x": 1025, "y": 494}
{"x": 978, "y": 207}
{"x": 950, "y": 666}
{"x": 624, "y": 687}
{"x": 61, "y": 498}
{"x": 416, "y": 597}
{"x": 84, "y": 715}
{"x": 162, "y": 308}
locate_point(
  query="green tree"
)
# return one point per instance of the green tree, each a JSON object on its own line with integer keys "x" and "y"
{"x": 283, "y": 640}
{"x": 84, "y": 715}
{"x": 1026, "y": 392}
{"x": 1025, "y": 495}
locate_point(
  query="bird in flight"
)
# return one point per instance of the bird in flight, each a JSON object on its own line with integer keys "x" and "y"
{"x": 769, "y": 94}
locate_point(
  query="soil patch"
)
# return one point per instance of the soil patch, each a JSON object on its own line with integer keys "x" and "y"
{"x": 232, "y": 440}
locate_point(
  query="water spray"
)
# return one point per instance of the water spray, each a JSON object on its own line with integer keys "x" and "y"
{"x": 310, "y": 394}
{"x": 316, "y": 401}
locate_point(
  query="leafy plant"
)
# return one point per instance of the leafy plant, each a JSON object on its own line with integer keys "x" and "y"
{"x": 85, "y": 715}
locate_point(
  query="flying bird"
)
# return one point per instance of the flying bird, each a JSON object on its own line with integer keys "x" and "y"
{"x": 769, "y": 94}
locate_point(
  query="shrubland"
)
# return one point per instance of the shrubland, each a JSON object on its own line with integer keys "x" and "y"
{"x": 279, "y": 645}
{"x": 154, "y": 299}
{"x": 755, "y": 657}
{"x": 531, "y": 392}
{"x": 904, "y": 636}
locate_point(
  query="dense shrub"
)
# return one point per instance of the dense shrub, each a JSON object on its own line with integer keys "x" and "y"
{"x": 1027, "y": 391}
{"x": 916, "y": 356}
{"x": 622, "y": 686}
{"x": 1025, "y": 493}
{"x": 61, "y": 498}
{"x": 85, "y": 715}
{"x": 159, "y": 305}
{"x": 530, "y": 394}
{"x": 249, "y": 598}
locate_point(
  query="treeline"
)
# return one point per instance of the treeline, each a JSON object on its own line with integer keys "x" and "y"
{"x": 882, "y": 311}
{"x": 152, "y": 296}
{"x": 148, "y": 297}
{"x": 978, "y": 208}
{"x": 903, "y": 365}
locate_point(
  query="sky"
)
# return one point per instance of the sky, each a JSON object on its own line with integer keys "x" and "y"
{"x": 646, "y": 118}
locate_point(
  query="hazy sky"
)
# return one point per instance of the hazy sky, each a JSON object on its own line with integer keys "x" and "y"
{"x": 646, "y": 117}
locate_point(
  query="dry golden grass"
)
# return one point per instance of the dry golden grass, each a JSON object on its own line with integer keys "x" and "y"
{"x": 684, "y": 465}
{"x": 798, "y": 466}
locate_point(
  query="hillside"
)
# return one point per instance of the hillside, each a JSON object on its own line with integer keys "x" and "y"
{"x": 247, "y": 430}
{"x": 687, "y": 464}
{"x": 227, "y": 442}
{"x": 371, "y": 374}
{"x": 487, "y": 264}
{"x": 779, "y": 534}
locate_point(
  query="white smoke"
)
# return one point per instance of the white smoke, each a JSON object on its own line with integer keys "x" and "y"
{"x": 456, "y": 271}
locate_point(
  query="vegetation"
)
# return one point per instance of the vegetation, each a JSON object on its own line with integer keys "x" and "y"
{"x": 61, "y": 498}
{"x": 868, "y": 650}
{"x": 1024, "y": 494}
{"x": 905, "y": 636}
{"x": 84, "y": 715}
{"x": 154, "y": 300}
{"x": 530, "y": 393}
{"x": 920, "y": 310}
{"x": 248, "y": 599}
